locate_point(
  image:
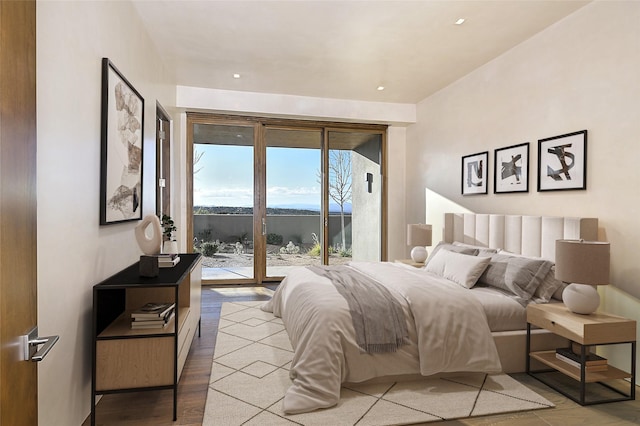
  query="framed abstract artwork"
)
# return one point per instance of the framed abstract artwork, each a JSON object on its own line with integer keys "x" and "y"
{"x": 511, "y": 171}
{"x": 122, "y": 127}
{"x": 562, "y": 162}
{"x": 474, "y": 173}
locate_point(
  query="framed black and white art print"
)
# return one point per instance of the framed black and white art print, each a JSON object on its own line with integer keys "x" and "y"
{"x": 122, "y": 125}
{"x": 474, "y": 173}
{"x": 511, "y": 171}
{"x": 562, "y": 162}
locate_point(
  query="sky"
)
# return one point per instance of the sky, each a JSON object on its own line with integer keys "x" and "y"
{"x": 225, "y": 176}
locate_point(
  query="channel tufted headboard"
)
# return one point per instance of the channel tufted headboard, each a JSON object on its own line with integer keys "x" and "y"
{"x": 528, "y": 235}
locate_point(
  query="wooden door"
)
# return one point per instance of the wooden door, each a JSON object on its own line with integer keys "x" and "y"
{"x": 18, "y": 307}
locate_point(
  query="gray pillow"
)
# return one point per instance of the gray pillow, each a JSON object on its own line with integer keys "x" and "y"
{"x": 482, "y": 251}
{"x": 520, "y": 276}
{"x": 450, "y": 247}
{"x": 548, "y": 287}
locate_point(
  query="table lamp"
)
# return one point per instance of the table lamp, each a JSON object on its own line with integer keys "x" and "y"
{"x": 419, "y": 236}
{"x": 583, "y": 264}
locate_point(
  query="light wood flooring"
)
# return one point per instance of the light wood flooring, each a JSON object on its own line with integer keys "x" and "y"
{"x": 155, "y": 407}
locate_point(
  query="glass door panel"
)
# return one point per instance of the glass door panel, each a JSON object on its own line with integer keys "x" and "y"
{"x": 223, "y": 199}
{"x": 355, "y": 196}
{"x": 293, "y": 199}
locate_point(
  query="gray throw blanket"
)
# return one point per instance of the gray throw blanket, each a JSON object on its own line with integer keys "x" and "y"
{"x": 377, "y": 316}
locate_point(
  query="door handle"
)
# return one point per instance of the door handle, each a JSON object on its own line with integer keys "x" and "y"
{"x": 30, "y": 343}
{"x": 264, "y": 226}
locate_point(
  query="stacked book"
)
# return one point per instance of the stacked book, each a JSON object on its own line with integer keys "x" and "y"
{"x": 168, "y": 260}
{"x": 153, "y": 315}
{"x": 593, "y": 362}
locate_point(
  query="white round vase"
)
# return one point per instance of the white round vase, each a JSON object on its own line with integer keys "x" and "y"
{"x": 419, "y": 254}
{"x": 581, "y": 298}
{"x": 170, "y": 247}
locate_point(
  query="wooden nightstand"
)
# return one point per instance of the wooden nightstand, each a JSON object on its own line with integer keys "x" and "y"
{"x": 588, "y": 330}
{"x": 411, "y": 263}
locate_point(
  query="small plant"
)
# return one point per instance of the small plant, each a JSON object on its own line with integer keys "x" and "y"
{"x": 345, "y": 253}
{"x": 238, "y": 248}
{"x": 208, "y": 249}
{"x": 168, "y": 227}
{"x": 290, "y": 249}
{"x": 274, "y": 239}
{"x": 315, "y": 250}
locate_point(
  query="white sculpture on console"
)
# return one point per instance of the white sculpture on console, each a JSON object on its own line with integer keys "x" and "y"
{"x": 149, "y": 244}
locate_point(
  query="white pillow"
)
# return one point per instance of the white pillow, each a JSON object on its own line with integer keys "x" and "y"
{"x": 462, "y": 269}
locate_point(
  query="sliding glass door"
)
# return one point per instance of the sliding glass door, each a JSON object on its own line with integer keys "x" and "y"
{"x": 223, "y": 200}
{"x": 354, "y": 185}
{"x": 268, "y": 195}
{"x": 293, "y": 199}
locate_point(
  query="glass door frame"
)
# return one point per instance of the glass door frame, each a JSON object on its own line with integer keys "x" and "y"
{"x": 326, "y": 148}
{"x": 310, "y": 127}
{"x": 260, "y": 124}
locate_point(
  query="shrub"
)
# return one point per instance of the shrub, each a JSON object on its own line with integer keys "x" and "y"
{"x": 208, "y": 249}
{"x": 345, "y": 253}
{"x": 315, "y": 250}
{"x": 290, "y": 249}
{"x": 274, "y": 239}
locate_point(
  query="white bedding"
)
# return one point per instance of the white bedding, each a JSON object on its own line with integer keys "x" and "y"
{"x": 502, "y": 311}
{"x": 447, "y": 328}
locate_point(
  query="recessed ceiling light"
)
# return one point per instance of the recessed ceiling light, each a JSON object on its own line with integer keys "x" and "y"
{"x": 380, "y": 88}
{"x": 460, "y": 21}
{"x": 236, "y": 75}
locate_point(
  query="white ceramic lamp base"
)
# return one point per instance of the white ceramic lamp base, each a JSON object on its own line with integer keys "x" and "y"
{"x": 419, "y": 254}
{"x": 581, "y": 299}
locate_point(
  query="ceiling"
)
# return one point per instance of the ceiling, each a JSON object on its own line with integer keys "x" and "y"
{"x": 339, "y": 49}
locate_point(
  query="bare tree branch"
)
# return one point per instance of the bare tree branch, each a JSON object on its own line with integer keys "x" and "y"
{"x": 197, "y": 156}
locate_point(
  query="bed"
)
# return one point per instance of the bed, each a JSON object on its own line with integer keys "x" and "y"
{"x": 464, "y": 311}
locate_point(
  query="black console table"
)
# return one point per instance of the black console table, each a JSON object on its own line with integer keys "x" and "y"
{"x": 132, "y": 360}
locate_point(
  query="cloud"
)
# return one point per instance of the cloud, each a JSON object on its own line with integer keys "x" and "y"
{"x": 239, "y": 197}
{"x": 288, "y": 191}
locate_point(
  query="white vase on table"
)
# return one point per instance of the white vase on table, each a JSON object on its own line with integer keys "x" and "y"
{"x": 170, "y": 247}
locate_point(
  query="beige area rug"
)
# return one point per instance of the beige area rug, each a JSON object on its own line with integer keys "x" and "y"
{"x": 250, "y": 376}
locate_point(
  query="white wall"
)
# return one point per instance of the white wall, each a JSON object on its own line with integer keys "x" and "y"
{"x": 581, "y": 73}
{"x": 74, "y": 252}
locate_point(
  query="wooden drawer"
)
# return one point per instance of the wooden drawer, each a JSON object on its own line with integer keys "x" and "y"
{"x": 134, "y": 363}
{"x": 593, "y": 329}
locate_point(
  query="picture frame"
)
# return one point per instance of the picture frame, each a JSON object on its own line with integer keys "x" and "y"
{"x": 511, "y": 170}
{"x": 474, "y": 173}
{"x": 562, "y": 162}
{"x": 122, "y": 136}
